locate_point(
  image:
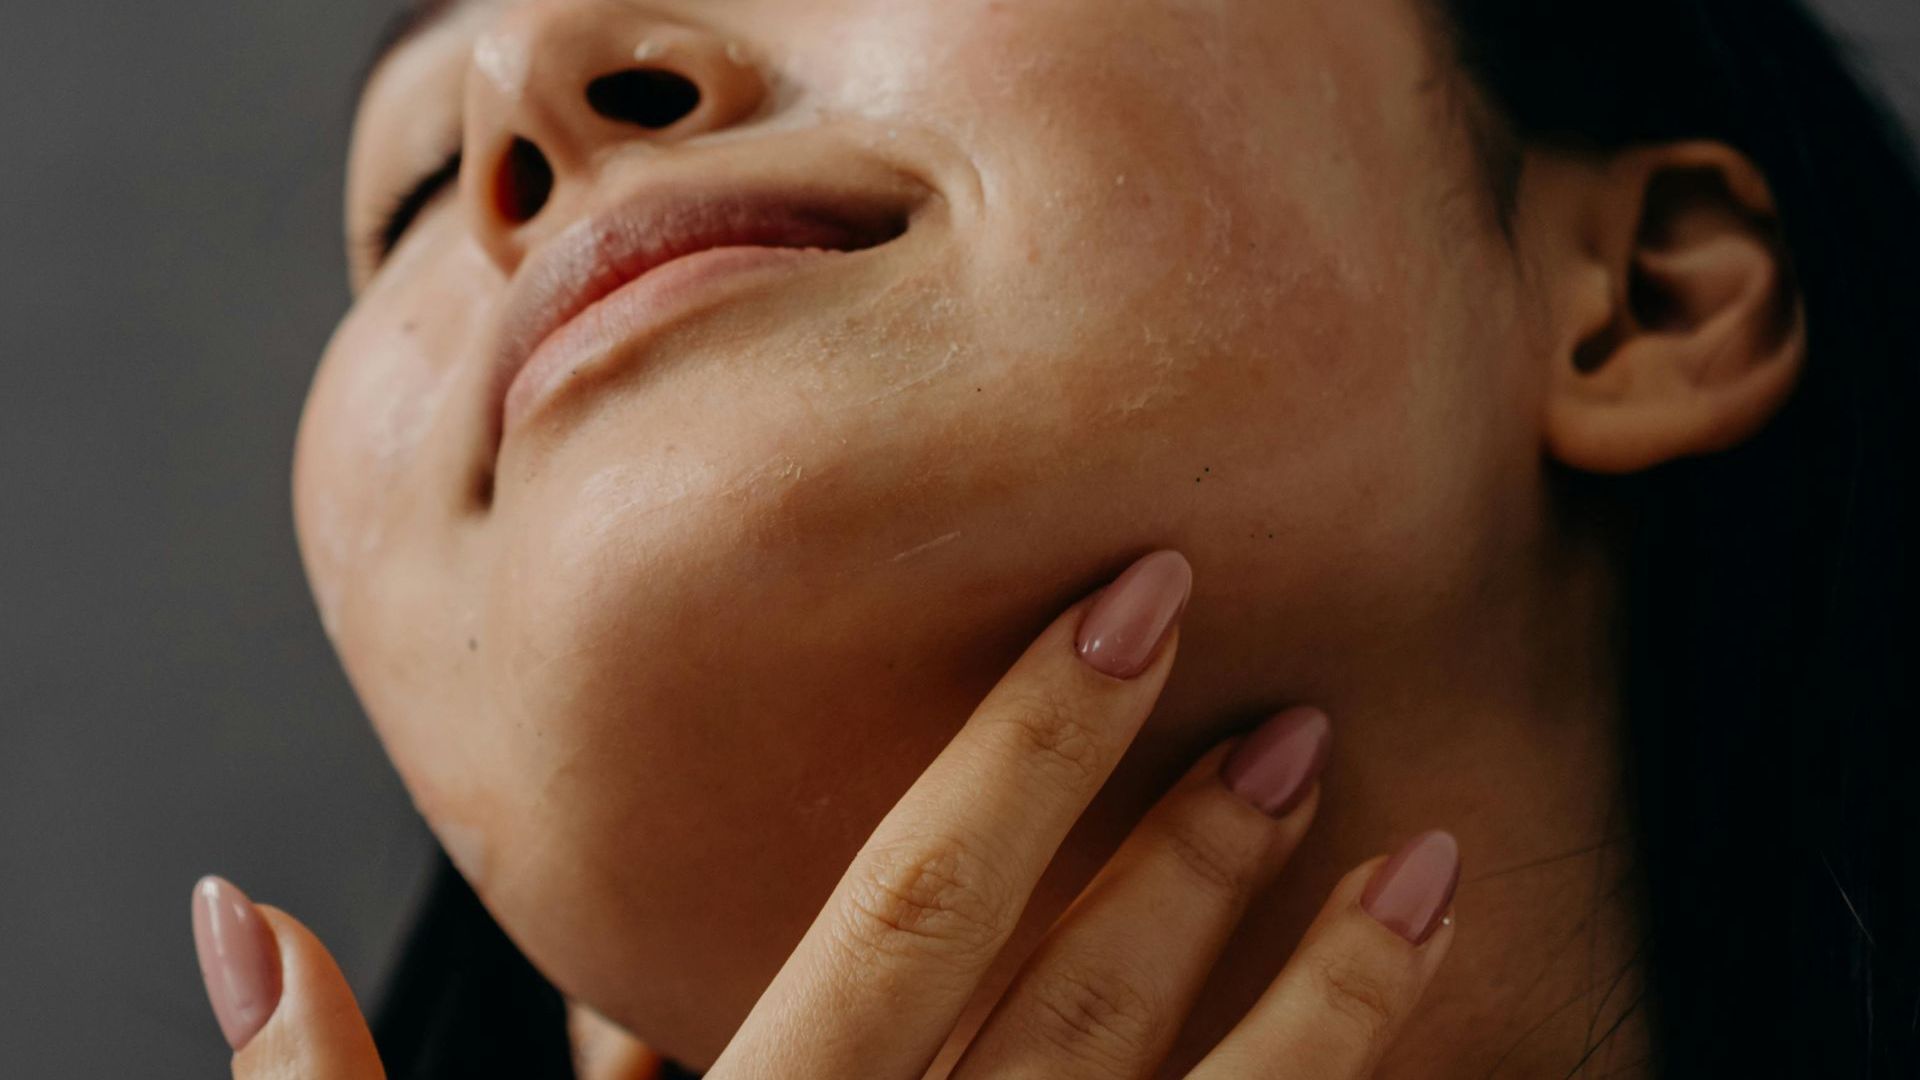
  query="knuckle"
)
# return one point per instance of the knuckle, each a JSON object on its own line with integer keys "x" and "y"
{"x": 1208, "y": 858}
{"x": 1359, "y": 994}
{"x": 1097, "y": 1016}
{"x": 937, "y": 898}
{"x": 1049, "y": 729}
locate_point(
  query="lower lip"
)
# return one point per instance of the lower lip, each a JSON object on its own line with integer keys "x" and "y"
{"x": 592, "y": 341}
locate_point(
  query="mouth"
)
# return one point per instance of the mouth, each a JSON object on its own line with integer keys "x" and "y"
{"x": 613, "y": 277}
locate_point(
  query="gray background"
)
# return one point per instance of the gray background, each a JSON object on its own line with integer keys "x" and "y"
{"x": 169, "y": 271}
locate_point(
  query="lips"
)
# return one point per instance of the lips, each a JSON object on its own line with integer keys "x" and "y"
{"x": 603, "y": 254}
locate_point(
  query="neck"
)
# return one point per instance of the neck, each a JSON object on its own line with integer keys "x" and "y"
{"x": 1508, "y": 736}
{"x": 1501, "y": 727}
{"x": 1511, "y": 744}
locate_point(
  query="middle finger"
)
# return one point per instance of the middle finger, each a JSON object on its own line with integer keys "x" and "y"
{"x": 1106, "y": 993}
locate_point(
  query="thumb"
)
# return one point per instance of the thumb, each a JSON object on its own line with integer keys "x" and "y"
{"x": 279, "y": 997}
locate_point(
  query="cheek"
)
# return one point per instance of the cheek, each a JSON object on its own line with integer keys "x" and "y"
{"x": 1161, "y": 183}
{"x": 1212, "y": 229}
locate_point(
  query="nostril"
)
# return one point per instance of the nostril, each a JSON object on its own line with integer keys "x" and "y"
{"x": 524, "y": 184}
{"x": 648, "y": 97}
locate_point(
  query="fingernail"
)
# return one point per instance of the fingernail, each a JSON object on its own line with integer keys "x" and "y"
{"x": 1275, "y": 767}
{"x": 1122, "y": 631}
{"x": 238, "y": 959}
{"x": 1411, "y": 893}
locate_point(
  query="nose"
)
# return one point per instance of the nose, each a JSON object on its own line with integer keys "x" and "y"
{"x": 555, "y": 86}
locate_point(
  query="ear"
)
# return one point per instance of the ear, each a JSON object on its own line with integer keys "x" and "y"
{"x": 1678, "y": 327}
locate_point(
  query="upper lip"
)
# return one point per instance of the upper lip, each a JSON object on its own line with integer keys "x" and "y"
{"x": 663, "y": 222}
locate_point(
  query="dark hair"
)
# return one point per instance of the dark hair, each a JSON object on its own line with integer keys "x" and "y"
{"x": 463, "y": 1002}
{"x": 1769, "y": 636}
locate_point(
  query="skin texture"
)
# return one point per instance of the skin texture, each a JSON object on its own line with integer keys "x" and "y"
{"x": 1212, "y": 275}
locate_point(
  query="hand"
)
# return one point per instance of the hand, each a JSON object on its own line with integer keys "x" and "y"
{"x": 882, "y": 975}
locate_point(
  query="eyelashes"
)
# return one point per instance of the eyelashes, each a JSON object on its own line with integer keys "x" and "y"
{"x": 393, "y": 225}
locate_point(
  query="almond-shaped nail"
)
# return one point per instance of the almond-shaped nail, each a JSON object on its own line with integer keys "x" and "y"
{"x": 1275, "y": 767}
{"x": 1411, "y": 893}
{"x": 1123, "y": 630}
{"x": 239, "y": 959}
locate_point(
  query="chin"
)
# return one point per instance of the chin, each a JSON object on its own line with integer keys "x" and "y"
{"x": 694, "y": 730}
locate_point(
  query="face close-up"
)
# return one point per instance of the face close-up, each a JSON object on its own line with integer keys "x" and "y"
{"x": 658, "y": 605}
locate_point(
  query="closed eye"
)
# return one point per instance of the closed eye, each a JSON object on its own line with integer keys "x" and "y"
{"x": 393, "y": 225}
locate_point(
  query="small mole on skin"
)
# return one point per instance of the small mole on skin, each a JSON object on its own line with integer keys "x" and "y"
{"x": 473, "y": 644}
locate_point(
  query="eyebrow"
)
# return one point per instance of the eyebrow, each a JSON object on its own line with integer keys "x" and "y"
{"x": 418, "y": 17}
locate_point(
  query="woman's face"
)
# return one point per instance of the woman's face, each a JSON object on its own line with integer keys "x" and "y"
{"x": 1205, "y": 274}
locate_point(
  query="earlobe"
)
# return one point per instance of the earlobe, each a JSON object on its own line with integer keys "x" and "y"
{"x": 1698, "y": 337}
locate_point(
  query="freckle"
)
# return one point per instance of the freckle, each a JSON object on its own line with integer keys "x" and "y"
{"x": 409, "y": 326}
{"x": 473, "y": 644}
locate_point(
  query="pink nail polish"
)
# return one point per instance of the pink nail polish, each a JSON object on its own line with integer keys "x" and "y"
{"x": 239, "y": 959}
{"x": 1411, "y": 893}
{"x": 1123, "y": 630}
{"x": 1275, "y": 767}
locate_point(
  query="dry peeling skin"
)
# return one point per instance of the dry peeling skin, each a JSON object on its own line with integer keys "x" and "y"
{"x": 1185, "y": 279}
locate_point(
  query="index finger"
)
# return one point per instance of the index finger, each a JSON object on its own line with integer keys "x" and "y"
{"x": 886, "y": 968}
